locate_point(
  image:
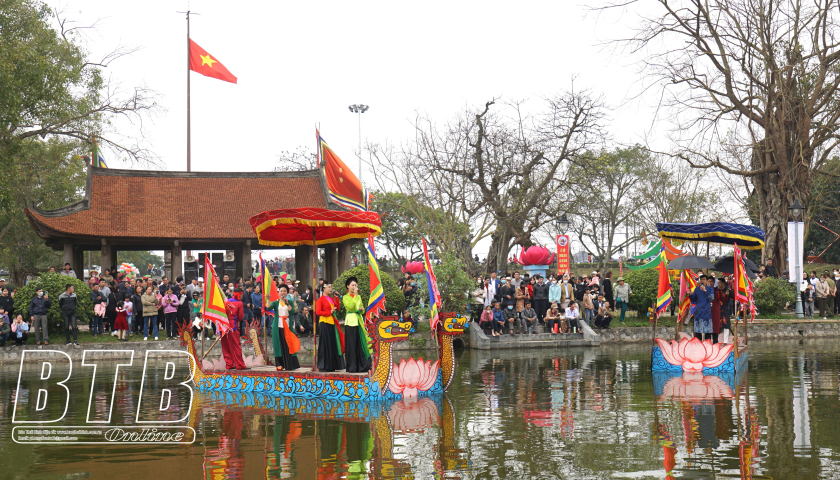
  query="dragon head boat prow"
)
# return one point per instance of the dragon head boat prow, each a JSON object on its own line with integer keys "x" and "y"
{"x": 386, "y": 330}
{"x": 451, "y": 325}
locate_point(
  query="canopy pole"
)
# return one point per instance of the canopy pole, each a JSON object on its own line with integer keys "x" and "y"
{"x": 315, "y": 297}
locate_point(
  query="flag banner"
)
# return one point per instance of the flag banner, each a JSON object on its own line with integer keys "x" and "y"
{"x": 434, "y": 294}
{"x": 207, "y": 65}
{"x": 344, "y": 187}
{"x": 663, "y": 293}
{"x": 562, "y": 254}
{"x": 376, "y": 302}
{"x": 270, "y": 290}
{"x": 688, "y": 282}
{"x": 213, "y": 308}
{"x": 743, "y": 285}
{"x": 97, "y": 160}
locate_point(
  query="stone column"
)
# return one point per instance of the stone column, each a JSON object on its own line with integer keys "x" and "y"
{"x": 78, "y": 262}
{"x": 246, "y": 267}
{"x": 344, "y": 256}
{"x": 303, "y": 265}
{"x": 109, "y": 256}
{"x": 330, "y": 263}
{"x": 177, "y": 261}
{"x": 68, "y": 257}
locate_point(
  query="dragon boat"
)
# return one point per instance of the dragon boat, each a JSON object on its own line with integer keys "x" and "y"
{"x": 386, "y": 381}
{"x": 691, "y": 355}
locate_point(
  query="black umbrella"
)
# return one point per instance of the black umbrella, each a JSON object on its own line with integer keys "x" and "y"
{"x": 727, "y": 265}
{"x": 689, "y": 262}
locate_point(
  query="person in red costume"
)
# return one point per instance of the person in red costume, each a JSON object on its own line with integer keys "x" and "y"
{"x": 231, "y": 349}
{"x": 330, "y": 335}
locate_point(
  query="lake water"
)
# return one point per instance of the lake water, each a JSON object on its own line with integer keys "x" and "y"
{"x": 578, "y": 414}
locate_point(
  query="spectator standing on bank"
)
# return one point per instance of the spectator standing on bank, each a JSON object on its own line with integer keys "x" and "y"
{"x": 5, "y": 328}
{"x": 184, "y": 309}
{"x": 150, "y": 304}
{"x": 120, "y": 322}
{"x": 256, "y": 304}
{"x": 99, "y": 304}
{"x": 68, "y": 272}
{"x": 822, "y": 293}
{"x": 622, "y": 296}
{"x": 67, "y": 304}
{"x": 540, "y": 298}
{"x": 170, "y": 312}
{"x": 38, "y": 308}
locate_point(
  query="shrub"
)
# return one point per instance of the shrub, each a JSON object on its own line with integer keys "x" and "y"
{"x": 394, "y": 298}
{"x": 771, "y": 294}
{"x": 644, "y": 284}
{"x": 53, "y": 284}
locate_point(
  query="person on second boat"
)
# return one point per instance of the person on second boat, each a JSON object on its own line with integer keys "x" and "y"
{"x": 330, "y": 335}
{"x": 286, "y": 344}
{"x": 357, "y": 355}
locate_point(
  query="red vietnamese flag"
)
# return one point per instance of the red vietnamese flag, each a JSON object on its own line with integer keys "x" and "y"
{"x": 207, "y": 65}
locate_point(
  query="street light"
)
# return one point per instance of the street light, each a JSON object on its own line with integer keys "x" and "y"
{"x": 360, "y": 109}
{"x": 795, "y": 211}
{"x": 563, "y": 223}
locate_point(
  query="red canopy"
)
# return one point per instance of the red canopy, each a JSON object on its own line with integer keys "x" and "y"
{"x": 305, "y": 226}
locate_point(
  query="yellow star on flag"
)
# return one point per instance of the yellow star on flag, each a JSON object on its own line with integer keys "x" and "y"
{"x": 207, "y": 60}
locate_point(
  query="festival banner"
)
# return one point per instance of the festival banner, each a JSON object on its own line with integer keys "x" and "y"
{"x": 562, "y": 254}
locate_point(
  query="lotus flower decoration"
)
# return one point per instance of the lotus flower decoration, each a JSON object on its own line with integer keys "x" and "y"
{"x": 535, "y": 255}
{"x": 413, "y": 376}
{"x": 693, "y": 355}
{"x": 413, "y": 268}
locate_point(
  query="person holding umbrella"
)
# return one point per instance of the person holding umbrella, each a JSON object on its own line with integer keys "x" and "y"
{"x": 702, "y": 297}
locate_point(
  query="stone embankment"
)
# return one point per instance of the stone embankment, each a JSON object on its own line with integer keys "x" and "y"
{"x": 761, "y": 329}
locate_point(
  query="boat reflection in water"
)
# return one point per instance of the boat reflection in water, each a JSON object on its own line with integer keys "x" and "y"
{"x": 326, "y": 439}
{"x": 717, "y": 416}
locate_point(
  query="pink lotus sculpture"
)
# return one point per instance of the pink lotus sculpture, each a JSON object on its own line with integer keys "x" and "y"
{"x": 412, "y": 268}
{"x": 413, "y": 376}
{"x": 694, "y": 386}
{"x": 535, "y": 255}
{"x": 693, "y": 354}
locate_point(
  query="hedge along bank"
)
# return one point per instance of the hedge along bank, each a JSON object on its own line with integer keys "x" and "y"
{"x": 54, "y": 284}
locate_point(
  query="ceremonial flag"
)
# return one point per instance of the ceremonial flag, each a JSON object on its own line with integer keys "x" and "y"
{"x": 269, "y": 289}
{"x": 688, "y": 282}
{"x": 741, "y": 280}
{"x": 214, "y": 300}
{"x": 434, "y": 294}
{"x": 344, "y": 187}
{"x": 376, "y": 301}
{"x": 207, "y": 65}
{"x": 663, "y": 294}
{"x": 96, "y": 158}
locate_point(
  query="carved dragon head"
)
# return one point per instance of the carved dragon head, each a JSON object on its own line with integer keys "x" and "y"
{"x": 391, "y": 329}
{"x": 452, "y": 323}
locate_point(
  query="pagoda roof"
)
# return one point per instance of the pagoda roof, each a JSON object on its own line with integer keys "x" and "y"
{"x": 146, "y": 204}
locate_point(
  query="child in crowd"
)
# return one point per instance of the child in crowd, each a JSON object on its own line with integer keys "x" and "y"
{"x": 129, "y": 313}
{"x": 19, "y": 329}
{"x": 201, "y": 328}
{"x": 120, "y": 323}
{"x": 588, "y": 306}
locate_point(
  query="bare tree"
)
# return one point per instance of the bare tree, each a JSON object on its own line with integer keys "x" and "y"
{"x": 763, "y": 74}
{"x": 293, "y": 161}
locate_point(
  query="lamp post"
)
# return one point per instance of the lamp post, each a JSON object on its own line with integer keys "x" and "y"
{"x": 796, "y": 210}
{"x": 359, "y": 109}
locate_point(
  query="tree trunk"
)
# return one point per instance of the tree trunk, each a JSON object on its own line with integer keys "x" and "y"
{"x": 497, "y": 257}
{"x": 776, "y": 192}
{"x": 17, "y": 277}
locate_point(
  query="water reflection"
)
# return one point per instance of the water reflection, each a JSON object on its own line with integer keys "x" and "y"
{"x": 576, "y": 413}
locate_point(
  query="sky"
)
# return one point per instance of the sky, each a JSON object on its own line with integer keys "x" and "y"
{"x": 301, "y": 64}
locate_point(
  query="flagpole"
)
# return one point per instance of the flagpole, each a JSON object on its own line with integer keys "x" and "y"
{"x": 189, "y": 149}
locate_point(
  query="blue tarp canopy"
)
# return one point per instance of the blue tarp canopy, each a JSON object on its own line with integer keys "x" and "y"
{"x": 747, "y": 237}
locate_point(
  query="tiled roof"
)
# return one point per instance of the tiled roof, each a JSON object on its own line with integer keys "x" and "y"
{"x": 178, "y": 205}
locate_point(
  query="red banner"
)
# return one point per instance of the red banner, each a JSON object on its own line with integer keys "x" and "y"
{"x": 562, "y": 254}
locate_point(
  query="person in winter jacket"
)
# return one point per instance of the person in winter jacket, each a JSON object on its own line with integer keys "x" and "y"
{"x": 150, "y": 304}
{"x": 67, "y": 304}
{"x": 38, "y": 307}
{"x": 170, "y": 312}
{"x": 540, "y": 298}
